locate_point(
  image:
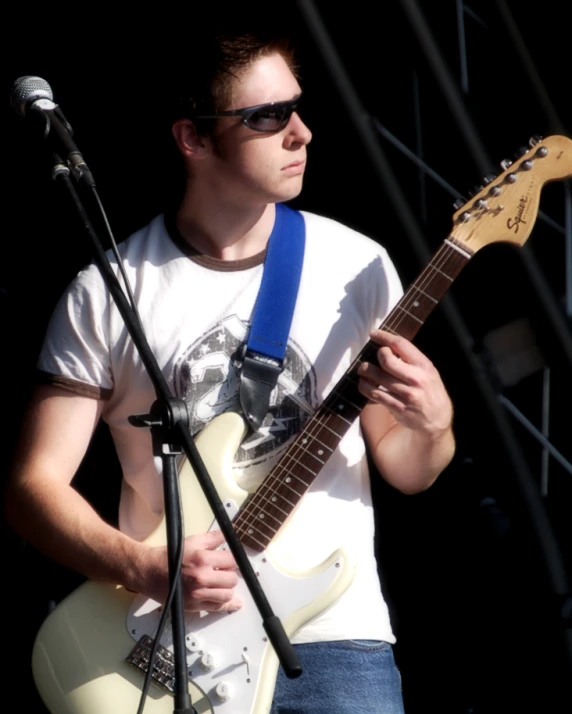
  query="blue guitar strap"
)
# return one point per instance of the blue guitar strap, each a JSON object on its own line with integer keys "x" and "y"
{"x": 272, "y": 316}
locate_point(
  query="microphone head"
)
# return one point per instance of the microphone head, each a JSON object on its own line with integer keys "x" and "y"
{"x": 28, "y": 89}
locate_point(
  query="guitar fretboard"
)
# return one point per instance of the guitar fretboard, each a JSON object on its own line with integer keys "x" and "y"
{"x": 264, "y": 513}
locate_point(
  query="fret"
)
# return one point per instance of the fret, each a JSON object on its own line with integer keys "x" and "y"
{"x": 273, "y": 502}
{"x": 420, "y": 309}
{"x": 438, "y": 270}
{"x": 331, "y": 432}
{"x": 334, "y": 411}
{"x": 387, "y": 328}
{"x": 289, "y": 480}
{"x": 320, "y": 452}
{"x": 429, "y": 297}
{"x": 278, "y": 501}
{"x": 289, "y": 484}
{"x": 264, "y": 515}
{"x": 253, "y": 538}
{"x": 347, "y": 389}
{"x": 306, "y": 456}
{"x": 355, "y": 405}
{"x": 301, "y": 462}
{"x": 264, "y": 530}
{"x": 257, "y": 516}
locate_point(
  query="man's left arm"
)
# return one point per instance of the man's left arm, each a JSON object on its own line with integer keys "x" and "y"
{"x": 408, "y": 422}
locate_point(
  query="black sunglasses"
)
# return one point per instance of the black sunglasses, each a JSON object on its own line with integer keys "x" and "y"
{"x": 270, "y": 117}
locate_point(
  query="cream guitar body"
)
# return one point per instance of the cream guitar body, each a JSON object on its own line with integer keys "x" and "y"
{"x": 79, "y": 656}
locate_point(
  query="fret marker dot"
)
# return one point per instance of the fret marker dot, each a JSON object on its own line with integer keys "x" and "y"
{"x": 274, "y": 499}
{"x": 416, "y": 304}
{"x": 250, "y": 531}
{"x": 340, "y": 407}
{"x": 261, "y": 515}
{"x": 320, "y": 452}
{"x": 287, "y": 479}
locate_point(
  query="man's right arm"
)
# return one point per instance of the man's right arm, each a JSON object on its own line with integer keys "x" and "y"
{"x": 45, "y": 509}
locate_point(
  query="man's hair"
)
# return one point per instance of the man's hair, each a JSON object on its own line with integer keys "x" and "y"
{"x": 212, "y": 66}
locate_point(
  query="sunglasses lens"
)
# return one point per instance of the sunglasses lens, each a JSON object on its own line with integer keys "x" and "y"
{"x": 271, "y": 118}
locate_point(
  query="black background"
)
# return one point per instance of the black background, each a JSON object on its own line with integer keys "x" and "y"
{"x": 463, "y": 565}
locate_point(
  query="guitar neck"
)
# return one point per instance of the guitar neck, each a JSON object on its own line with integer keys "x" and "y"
{"x": 264, "y": 513}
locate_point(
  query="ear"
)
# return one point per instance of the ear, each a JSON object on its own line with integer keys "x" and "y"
{"x": 190, "y": 143}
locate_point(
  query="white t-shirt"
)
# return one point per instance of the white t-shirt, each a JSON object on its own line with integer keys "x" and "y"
{"x": 196, "y": 312}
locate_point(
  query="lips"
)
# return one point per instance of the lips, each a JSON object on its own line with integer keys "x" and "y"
{"x": 295, "y": 165}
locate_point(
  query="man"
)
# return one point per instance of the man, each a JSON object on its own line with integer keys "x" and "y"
{"x": 195, "y": 277}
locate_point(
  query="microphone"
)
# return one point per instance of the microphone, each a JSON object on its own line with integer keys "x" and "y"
{"x": 32, "y": 96}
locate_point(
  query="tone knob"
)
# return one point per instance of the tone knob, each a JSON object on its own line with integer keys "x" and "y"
{"x": 224, "y": 691}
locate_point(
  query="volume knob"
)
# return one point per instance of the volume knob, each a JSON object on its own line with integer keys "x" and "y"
{"x": 208, "y": 661}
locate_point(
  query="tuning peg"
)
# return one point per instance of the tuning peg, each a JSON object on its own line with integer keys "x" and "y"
{"x": 534, "y": 140}
{"x": 488, "y": 178}
{"x": 521, "y": 152}
{"x": 505, "y": 163}
{"x": 459, "y": 203}
{"x": 527, "y": 165}
{"x": 475, "y": 190}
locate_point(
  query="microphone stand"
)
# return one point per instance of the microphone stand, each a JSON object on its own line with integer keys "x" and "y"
{"x": 169, "y": 428}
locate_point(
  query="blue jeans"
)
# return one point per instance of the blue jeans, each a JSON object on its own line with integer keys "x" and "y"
{"x": 345, "y": 677}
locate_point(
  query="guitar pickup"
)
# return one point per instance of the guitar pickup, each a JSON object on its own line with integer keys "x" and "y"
{"x": 163, "y": 665}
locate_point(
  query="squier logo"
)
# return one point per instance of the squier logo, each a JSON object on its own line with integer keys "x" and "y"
{"x": 517, "y": 220}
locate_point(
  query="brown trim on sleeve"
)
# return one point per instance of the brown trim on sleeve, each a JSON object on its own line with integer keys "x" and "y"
{"x": 71, "y": 385}
{"x": 208, "y": 261}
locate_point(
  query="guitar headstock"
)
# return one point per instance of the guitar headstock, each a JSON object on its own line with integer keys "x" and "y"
{"x": 505, "y": 209}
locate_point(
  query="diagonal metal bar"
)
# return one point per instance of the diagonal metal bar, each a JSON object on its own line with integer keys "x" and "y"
{"x": 540, "y": 437}
{"x": 412, "y": 156}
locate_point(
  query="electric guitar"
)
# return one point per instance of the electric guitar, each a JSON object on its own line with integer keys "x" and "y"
{"x": 91, "y": 653}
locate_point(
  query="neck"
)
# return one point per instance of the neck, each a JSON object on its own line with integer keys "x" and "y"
{"x": 223, "y": 228}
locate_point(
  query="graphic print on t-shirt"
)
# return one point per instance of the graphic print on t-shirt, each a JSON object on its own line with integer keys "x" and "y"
{"x": 207, "y": 378}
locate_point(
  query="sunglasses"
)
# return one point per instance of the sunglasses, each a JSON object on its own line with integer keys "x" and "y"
{"x": 270, "y": 117}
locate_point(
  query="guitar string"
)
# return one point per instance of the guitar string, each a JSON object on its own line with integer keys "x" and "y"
{"x": 316, "y": 426}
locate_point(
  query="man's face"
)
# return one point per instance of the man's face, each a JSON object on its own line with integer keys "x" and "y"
{"x": 258, "y": 167}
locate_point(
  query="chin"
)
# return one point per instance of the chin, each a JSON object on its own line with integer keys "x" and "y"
{"x": 288, "y": 192}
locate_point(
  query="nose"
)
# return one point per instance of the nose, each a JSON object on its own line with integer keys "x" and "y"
{"x": 297, "y": 132}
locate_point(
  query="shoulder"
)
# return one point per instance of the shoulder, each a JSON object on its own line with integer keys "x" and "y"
{"x": 151, "y": 238}
{"x": 321, "y": 228}
{"x": 144, "y": 246}
{"x": 335, "y": 241}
